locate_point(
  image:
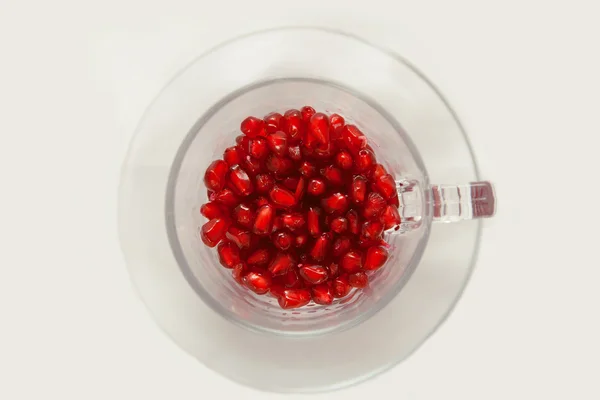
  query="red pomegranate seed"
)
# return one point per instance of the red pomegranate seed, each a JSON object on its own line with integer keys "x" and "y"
{"x": 316, "y": 186}
{"x": 322, "y": 294}
{"x": 307, "y": 169}
{"x": 395, "y": 200}
{"x": 336, "y": 203}
{"x": 378, "y": 171}
{"x": 238, "y": 273}
{"x": 319, "y": 129}
{"x": 211, "y": 210}
{"x": 358, "y": 191}
{"x": 307, "y": 113}
{"x": 325, "y": 151}
{"x": 277, "y": 224}
{"x": 313, "y": 274}
{"x": 281, "y": 264}
{"x": 259, "y": 257}
{"x": 239, "y": 140}
{"x": 375, "y": 258}
{"x": 291, "y": 279}
{"x": 353, "y": 222}
{"x": 365, "y": 161}
{"x": 214, "y": 231}
{"x": 241, "y": 181}
{"x": 295, "y": 153}
{"x": 365, "y": 243}
{"x": 282, "y": 240}
{"x": 390, "y": 217}
{"x": 333, "y": 175}
{"x": 374, "y": 205}
{"x": 341, "y": 246}
{"x": 253, "y": 127}
{"x": 334, "y": 270}
{"x": 314, "y": 224}
{"x": 353, "y": 138}
{"x": 232, "y": 156}
{"x": 258, "y": 281}
{"x": 343, "y": 159}
{"x": 226, "y": 197}
{"x": 239, "y": 236}
{"x": 229, "y": 254}
{"x": 372, "y": 230}
{"x": 336, "y": 122}
{"x": 264, "y": 183}
{"x": 257, "y": 148}
{"x": 260, "y": 201}
{"x": 282, "y": 197}
{"x": 386, "y": 186}
{"x": 300, "y": 240}
{"x": 294, "y": 298}
{"x": 264, "y": 220}
{"x": 214, "y": 177}
{"x": 278, "y": 165}
{"x": 339, "y": 225}
{"x": 291, "y": 182}
{"x": 293, "y": 126}
{"x": 351, "y": 261}
{"x": 277, "y": 142}
{"x": 300, "y": 189}
{"x": 358, "y": 279}
{"x": 251, "y": 165}
{"x": 320, "y": 247}
{"x": 293, "y": 221}
{"x": 276, "y": 289}
{"x": 341, "y": 286}
{"x": 272, "y": 122}
{"x": 243, "y": 214}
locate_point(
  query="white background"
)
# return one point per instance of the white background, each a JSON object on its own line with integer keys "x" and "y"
{"x": 75, "y": 77}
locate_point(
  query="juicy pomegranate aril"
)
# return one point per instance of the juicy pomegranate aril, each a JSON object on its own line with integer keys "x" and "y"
{"x": 298, "y": 207}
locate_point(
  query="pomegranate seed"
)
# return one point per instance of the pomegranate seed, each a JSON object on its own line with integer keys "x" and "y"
{"x": 277, "y": 142}
{"x": 320, "y": 247}
{"x": 278, "y": 165}
{"x": 264, "y": 220}
{"x": 386, "y": 186}
{"x": 229, "y": 254}
{"x": 214, "y": 177}
{"x": 264, "y": 183}
{"x": 333, "y": 175}
{"x": 313, "y": 274}
{"x": 365, "y": 161}
{"x": 307, "y": 113}
{"x": 273, "y": 122}
{"x": 214, "y": 231}
{"x": 374, "y": 205}
{"x": 353, "y": 138}
{"x": 336, "y": 203}
{"x": 295, "y": 153}
{"x": 241, "y": 181}
{"x": 239, "y": 236}
{"x": 251, "y": 165}
{"x": 293, "y": 221}
{"x": 372, "y": 230}
{"x": 276, "y": 289}
{"x": 211, "y": 210}
{"x": 232, "y": 156}
{"x": 260, "y": 201}
{"x": 293, "y": 126}
{"x": 316, "y": 186}
{"x": 322, "y": 294}
{"x": 258, "y": 281}
{"x": 239, "y": 140}
{"x": 277, "y": 224}
{"x": 243, "y": 214}
{"x": 395, "y": 201}
{"x": 282, "y": 240}
{"x": 339, "y": 225}
{"x": 307, "y": 169}
{"x": 314, "y": 216}
{"x": 375, "y": 258}
{"x": 291, "y": 279}
{"x": 378, "y": 171}
{"x": 294, "y": 298}
{"x": 238, "y": 273}
{"x": 390, "y": 217}
{"x": 341, "y": 286}
{"x": 353, "y": 222}
{"x": 300, "y": 189}
{"x": 319, "y": 128}
{"x": 259, "y": 257}
{"x": 359, "y": 189}
{"x": 257, "y": 148}
{"x": 341, "y": 246}
{"x": 253, "y": 127}
{"x": 343, "y": 159}
{"x": 281, "y": 264}
{"x": 365, "y": 243}
{"x": 301, "y": 240}
{"x": 282, "y": 197}
{"x": 291, "y": 182}
{"x": 351, "y": 261}
{"x": 336, "y": 122}
{"x": 334, "y": 269}
{"x": 358, "y": 279}
{"x": 226, "y": 197}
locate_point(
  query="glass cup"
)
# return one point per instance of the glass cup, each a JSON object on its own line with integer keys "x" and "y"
{"x": 413, "y": 131}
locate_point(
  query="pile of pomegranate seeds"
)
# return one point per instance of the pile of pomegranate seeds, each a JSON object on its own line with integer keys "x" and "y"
{"x": 298, "y": 207}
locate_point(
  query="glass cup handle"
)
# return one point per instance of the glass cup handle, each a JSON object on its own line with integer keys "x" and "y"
{"x": 446, "y": 203}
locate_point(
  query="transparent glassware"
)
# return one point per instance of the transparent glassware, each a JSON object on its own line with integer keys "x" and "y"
{"x": 247, "y": 337}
